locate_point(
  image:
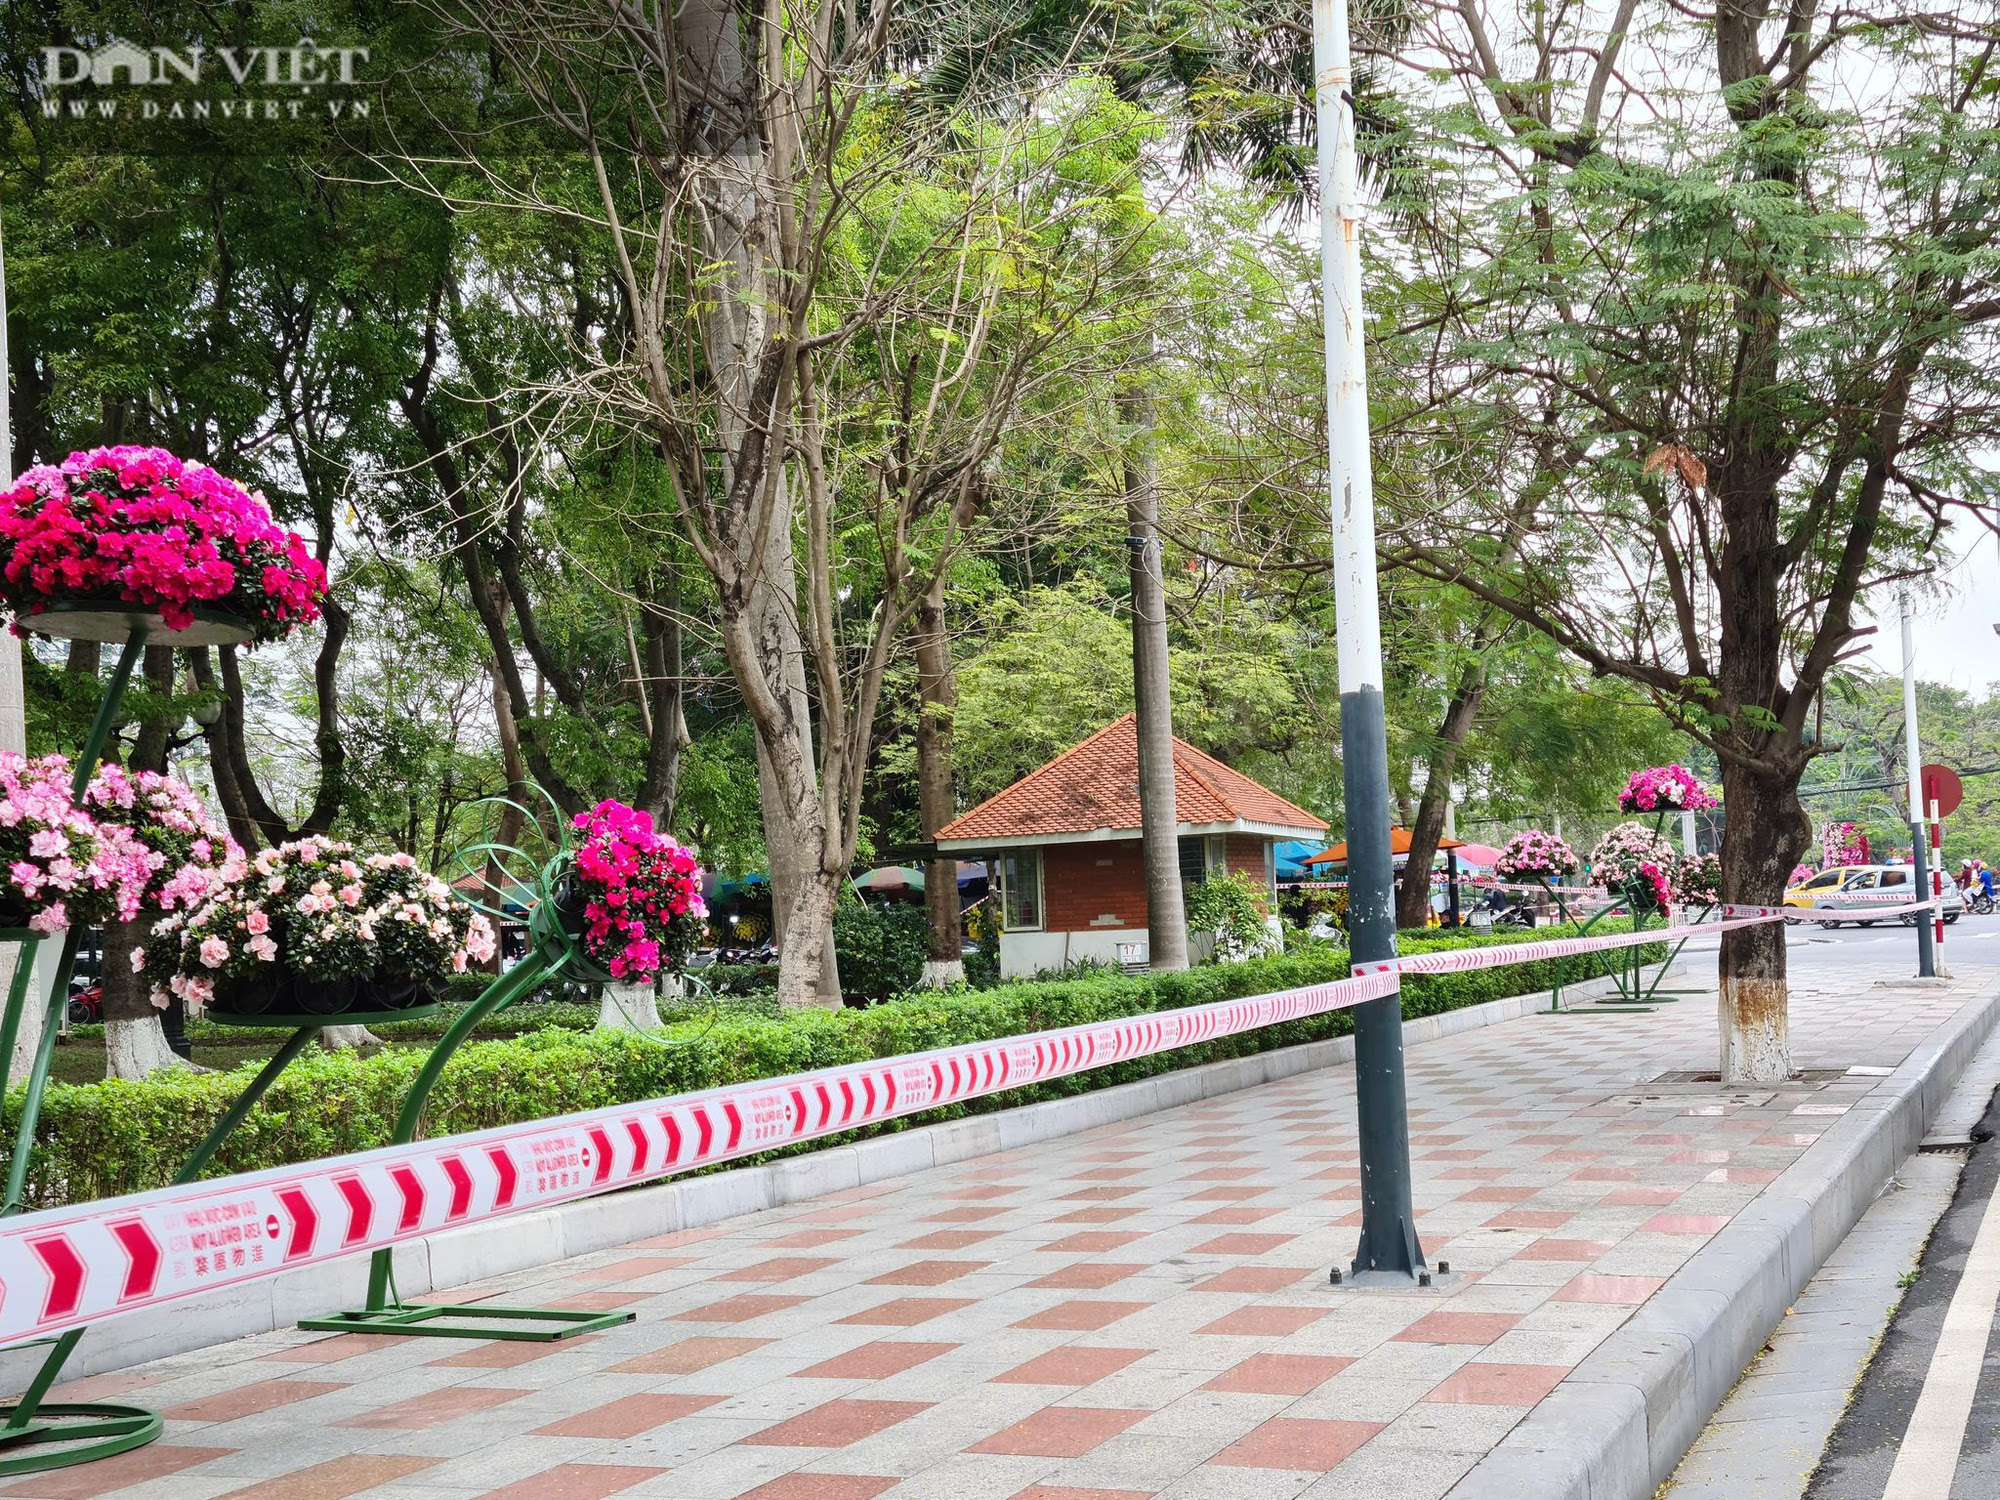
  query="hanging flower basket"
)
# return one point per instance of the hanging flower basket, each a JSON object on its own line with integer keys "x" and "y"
{"x": 116, "y": 537}
{"x": 191, "y": 855}
{"x": 639, "y": 891}
{"x": 1844, "y": 844}
{"x": 312, "y": 928}
{"x": 1664, "y": 789}
{"x": 59, "y": 865}
{"x": 1535, "y": 855}
{"x": 1698, "y": 880}
{"x": 1632, "y": 858}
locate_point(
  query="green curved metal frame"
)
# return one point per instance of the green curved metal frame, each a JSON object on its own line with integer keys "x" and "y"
{"x": 36, "y": 1434}
{"x": 553, "y": 952}
{"x": 31, "y": 1440}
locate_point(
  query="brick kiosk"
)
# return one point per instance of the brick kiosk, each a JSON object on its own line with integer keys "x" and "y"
{"x": 1063, "y": 847}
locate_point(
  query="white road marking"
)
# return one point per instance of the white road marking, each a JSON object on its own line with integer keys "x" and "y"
{"x": 1928, "y": 1457}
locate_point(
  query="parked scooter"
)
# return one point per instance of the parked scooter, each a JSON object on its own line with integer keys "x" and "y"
{"x": 1499, "y": 908}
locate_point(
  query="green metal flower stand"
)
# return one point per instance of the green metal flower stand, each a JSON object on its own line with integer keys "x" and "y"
{"x": 37, "y": 1434}
{"x": 1630, "y": 990}
{"x": 553, "y": 952}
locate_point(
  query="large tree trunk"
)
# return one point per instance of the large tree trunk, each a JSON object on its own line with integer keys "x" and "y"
{"x": 808, "y": 940}
{"x": 1152, "y": 689}
{"x": 788, "y": 793}
{"x": 737, "y": 204}
{"x": 155, "y": 734}
{"x": 631, "y": 1007}
{"x": 1413, "y": 895}
{"x": 512, "y": 820}
{"x": 1762, "y": 838}
{"x": 134, "y": 1044}
{"x": 937, "y": 692}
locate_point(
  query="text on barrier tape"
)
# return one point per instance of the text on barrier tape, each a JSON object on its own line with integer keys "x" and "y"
{"x": 63, "y": 1267}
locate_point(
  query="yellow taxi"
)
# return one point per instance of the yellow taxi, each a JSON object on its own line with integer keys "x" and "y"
{"x": 1815, "y": 889}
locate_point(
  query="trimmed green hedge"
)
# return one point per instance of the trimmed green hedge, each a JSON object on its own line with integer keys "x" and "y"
{"x": 98, "y": 1140}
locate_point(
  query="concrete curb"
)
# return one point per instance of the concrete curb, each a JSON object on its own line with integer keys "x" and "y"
{"x": 522, "y": 1242}
{"x": 1621, "y": 1421}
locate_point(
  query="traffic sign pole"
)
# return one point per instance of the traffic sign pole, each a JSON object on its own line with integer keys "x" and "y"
{"x": 1913, "y": 760}
{"x": 1937, "y": 873}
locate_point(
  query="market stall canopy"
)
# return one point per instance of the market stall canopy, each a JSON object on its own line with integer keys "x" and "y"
{"x": 1292, "y": 855}
{"x": 1399, "y": 845}
{"x": 1478, "y": 856}
{"x": 890, "y": 878}
{"x": 893, "y": 878}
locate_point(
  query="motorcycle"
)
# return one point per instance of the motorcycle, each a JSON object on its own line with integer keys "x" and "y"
{"x": 86, "y": 1006}
{"x": 1500, "y": 909}
{"x": 1977, "y": 900}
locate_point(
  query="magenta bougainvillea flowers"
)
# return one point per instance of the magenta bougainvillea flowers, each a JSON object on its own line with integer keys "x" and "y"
{"x": 133, "y": 525}
{"x": 1844, "y": 844}
{"x": 643, "y": 910}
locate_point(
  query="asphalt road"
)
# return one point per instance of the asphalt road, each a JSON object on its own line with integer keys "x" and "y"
{"x": 1814, "y": 945}
{"x": 1924, "y": 1423}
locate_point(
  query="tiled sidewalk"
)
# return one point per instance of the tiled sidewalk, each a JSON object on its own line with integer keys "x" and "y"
{"x": 1138, "y": 1312}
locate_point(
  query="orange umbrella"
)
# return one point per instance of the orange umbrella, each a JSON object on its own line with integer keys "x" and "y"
{"x": 1399, "y": 843}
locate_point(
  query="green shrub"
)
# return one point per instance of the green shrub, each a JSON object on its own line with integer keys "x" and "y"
{"x": 1230, "y": 908}
{"x": 881, "y": 948}
{"x": 100, "y": 1139}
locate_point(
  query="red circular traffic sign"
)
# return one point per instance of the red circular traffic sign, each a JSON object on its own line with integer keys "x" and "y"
{"x": 1943, "y": 789}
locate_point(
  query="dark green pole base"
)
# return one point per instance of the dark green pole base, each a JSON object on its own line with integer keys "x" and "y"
{"x": 60, "y": 1434}
{"x": 423, "y": 1320}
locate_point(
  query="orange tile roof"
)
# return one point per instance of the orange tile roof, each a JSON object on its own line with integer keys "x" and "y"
{"x": 1095, "y": 786}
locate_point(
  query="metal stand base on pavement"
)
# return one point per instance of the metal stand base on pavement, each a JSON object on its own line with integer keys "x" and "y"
{"x": 388, "y": 1313}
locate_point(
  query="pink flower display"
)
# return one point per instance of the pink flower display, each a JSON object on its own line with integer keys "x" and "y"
{"x": 1698, "y": 881}
{"x": 1844, "y": 844}
{"x": 133, "y": 525}
{"x": 1800, "y": 875}
{"x": 283, "y": 911}
{"x": 1632, "y": 854}
{"x": 196, "y": 854}
{"x": 61, "y": 865}
{"x": 1664, "y": 789}
{"x": 1535, "y": 854}
{"x": 643, "y": 910}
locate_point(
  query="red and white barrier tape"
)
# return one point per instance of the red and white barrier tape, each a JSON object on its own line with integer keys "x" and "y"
{"x": 63, "y": 1267}
{"x": 1457, "y": 960}
{"x": 1872, "y": 908}
{"x": 1485, "y": 884}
